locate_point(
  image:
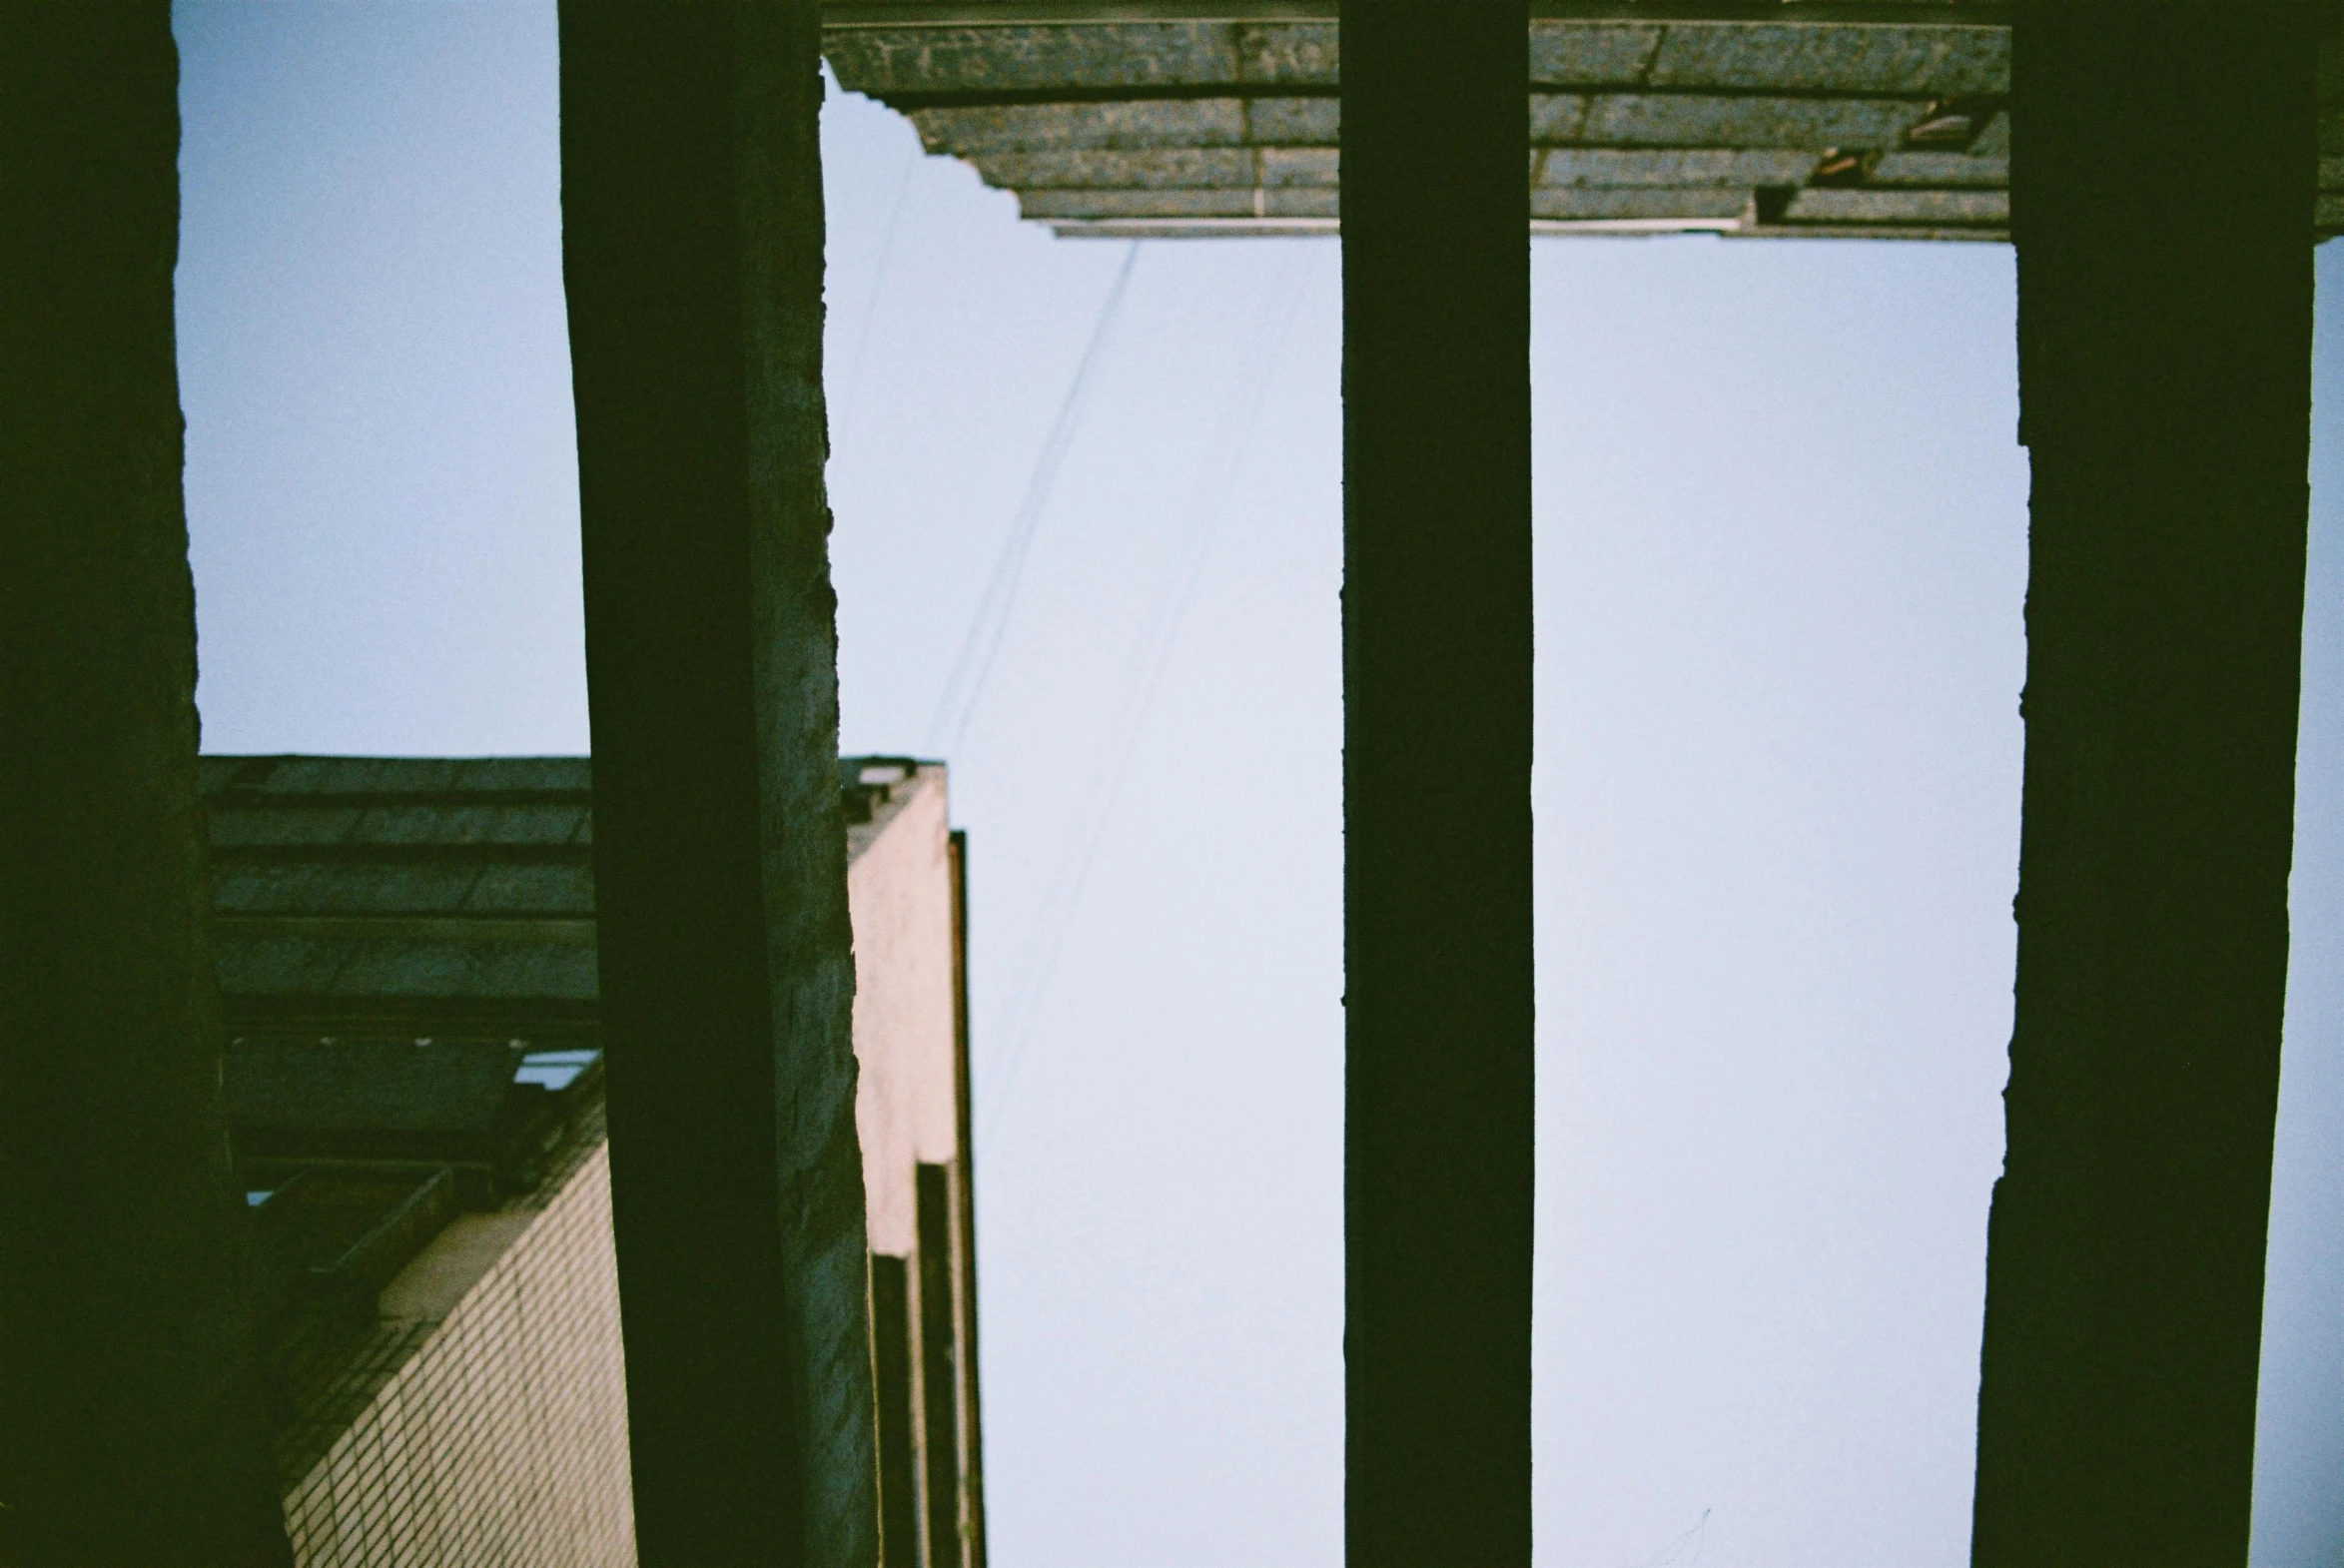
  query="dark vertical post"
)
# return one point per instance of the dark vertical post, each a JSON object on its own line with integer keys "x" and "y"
{"x": 692, "y": 252}
{"x": 129, "y": 1429}
{"x": 1437, "y": 781}
{"x": 940, "y": 1374}
{"x": 891, "y": 1369}
{"x": 964, "y": 1175}
{"x": 2162, "y": 196}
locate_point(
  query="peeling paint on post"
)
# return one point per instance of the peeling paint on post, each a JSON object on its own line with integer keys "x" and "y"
{"x": 1436, "y": 783}
{"x": 692, "y": 253}
{"x": 130, "y": 1423}
{"x": 2165, "y": 384}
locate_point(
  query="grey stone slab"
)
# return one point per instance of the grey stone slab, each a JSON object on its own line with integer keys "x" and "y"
{"x": 1873, "y": 58}
{"x": 425, "y": 823}
{"x": 1153, "y": 169}
{"x": 1313, "y": 202}
{"x": 340, "y": 887}
{"x": 1902, "y": 207}
{"x": 1138, "y": 203}
{"x": 1600, "y": 167}
{"x": 1293, "y": 54}
{"x": 240, "y": 826}
{"x": 1637, "y": 204}
{"x": 514, "y": 971}
{"x": 554, "y": 974}
{"x": 567, "y": 890}
{"x": 1994, "y": 140}
{"x": 1292, "y": 122}
{"x": 455, "y": 821}
{"x": 525, "y": 773}
{"x": 1592, "y": 54}
{"x": 1557, "y": 117}
{"x": 361, "y": 775}
{"x": 547, "y": 824}
{"x": 275, "y": 965}
{"x": 1698, "y": 120}
{"x": 1299, "y": 166}
{"x": 887, "y": 61}
{"x": 1205, "y": 122}
{"x": 1942, "y": 169}
{"x": 409, "y": 970}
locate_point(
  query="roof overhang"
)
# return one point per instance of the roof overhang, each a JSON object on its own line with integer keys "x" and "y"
{"x": 1213, "y": 118}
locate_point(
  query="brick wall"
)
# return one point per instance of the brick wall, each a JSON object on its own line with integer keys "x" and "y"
{"x": 500, "y": 1435}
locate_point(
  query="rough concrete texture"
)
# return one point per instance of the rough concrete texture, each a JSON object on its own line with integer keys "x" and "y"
{"x": 2165, "y": 395}
{"x": 129, "y": 1429}
{"x": 692, "y": 255}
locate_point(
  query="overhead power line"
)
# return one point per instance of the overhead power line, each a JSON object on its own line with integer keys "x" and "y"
{"x": 965, "y": 686}
{"x": 1151, "y": 654}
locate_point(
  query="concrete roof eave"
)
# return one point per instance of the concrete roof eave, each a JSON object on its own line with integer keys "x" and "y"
{"x": 1219, "y": 118}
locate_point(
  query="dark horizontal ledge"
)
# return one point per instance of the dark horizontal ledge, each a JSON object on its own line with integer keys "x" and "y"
{"x": 378, "y": 1016}
{"x": 538, "y": 930}
{"x": 857, "y": 14}
{"x": 248, "y": 797}
{"x": 506, "y": 852}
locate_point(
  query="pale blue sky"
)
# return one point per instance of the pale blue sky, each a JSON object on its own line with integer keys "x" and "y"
{"x": 1781, "y": 561}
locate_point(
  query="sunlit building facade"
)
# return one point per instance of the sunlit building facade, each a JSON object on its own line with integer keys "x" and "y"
{"x": 406, "y": 950}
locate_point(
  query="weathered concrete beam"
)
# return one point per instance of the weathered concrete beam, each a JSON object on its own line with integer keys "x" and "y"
{"x": 2165, "y": 382}
{"x": 841, "y": 15}
{"x": 1436, "y": 783}
{"x": 692, "y": 253}
{"x": 130, "y": 1428}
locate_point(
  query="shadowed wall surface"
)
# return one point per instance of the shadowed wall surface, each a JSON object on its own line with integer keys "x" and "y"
{"x": 131, "y": 1431}
{"x": 2165, "y": 401}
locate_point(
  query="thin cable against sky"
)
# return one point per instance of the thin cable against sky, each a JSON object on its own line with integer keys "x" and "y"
{"x": 848, "y": 402}
{"x": 965, "y": 684}
{"x": 1152, "y": 653}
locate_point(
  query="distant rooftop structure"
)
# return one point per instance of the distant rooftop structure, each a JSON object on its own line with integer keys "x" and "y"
{"x": 1220, "y": 117}
{"x": 406, "y": 954}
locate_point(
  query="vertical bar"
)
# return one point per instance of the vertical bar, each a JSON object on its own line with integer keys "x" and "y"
{"x": 692, "y": 253}
{"x": 940, "y": 1378}
{"x": 2161, "y": 190}
{"x": 130, "y": 1424}
{"x": 965, "y": 1213}
{"x": 1437, "y": 781}
{"x": 898, "y": 1486}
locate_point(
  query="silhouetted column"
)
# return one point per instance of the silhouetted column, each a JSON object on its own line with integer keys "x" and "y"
{"x": 2162, "y": 196}
{"x": 940, "y": 1374}
{"x": 692, "y": 251}
{"x": 891, "y": 1371}
{"x": 964, "y": 1175}
{"x": 129, "y": 1430}
{"x": 1437, "y": 781}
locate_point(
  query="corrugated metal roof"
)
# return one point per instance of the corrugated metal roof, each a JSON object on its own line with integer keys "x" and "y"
{"x": 1194, "y": 117}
